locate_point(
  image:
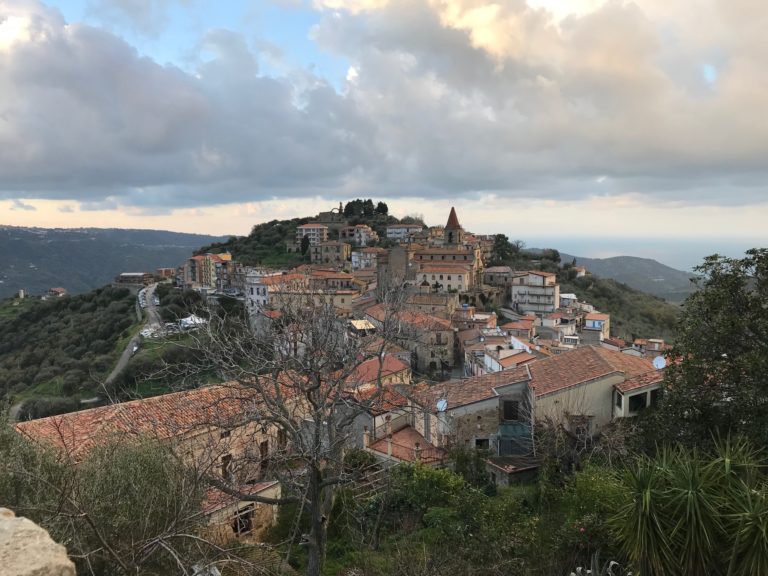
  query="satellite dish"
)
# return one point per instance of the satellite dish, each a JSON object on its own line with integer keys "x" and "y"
{"x": 442, "y": 404}
{"x": 659, "y": 363}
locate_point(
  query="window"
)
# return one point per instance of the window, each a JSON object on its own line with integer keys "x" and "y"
{"x": 637, "y": 402}
{"x": 441, "y": 276}
{"x": 226, "y": 465}
{"x": 482, "y": 444}
{"x": 449, "y": 276}
{"x": 655, "y": 396}
{"x": 243, "y": 521}
{"x": 619, "y": 400}
{"x": 511, "y": 410}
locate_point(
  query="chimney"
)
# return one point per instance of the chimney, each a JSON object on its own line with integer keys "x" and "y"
{"x": 366, "y": 437}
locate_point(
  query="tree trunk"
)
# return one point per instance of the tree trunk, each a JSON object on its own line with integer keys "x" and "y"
{"x": 318, "y": 523}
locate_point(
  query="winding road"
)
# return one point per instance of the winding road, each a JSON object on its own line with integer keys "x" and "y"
{"x": 153, "y": 322}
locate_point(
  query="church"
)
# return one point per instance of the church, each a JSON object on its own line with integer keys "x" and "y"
{"x": 456, "y": 266}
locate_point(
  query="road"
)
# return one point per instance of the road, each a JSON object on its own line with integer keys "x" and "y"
{"x": 153, "y": 321}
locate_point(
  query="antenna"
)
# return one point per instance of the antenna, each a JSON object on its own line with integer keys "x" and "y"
{"x": 659, "y": 363}
{"x": 442, "y": 405}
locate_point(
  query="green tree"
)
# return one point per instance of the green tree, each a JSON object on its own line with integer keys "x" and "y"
{"x": 304, "y": 245}
{"x": 502, "y": 250}
{"x": 382, "y": 208}
{"x": 718, "y": 381}
{"x": 126, "y": 507}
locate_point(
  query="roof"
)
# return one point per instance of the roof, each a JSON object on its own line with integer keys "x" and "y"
{"x": 278, "y": 279}
{"x": 362, "y": 325}
{"x": 581, "y": 365}
{"x": 381, "y": 400}
{"x": 164, "y": 417}
{"x": 459, "y": 268}
{"x": 597, "y": 316}
{"x": 498, "y": 269}
{"x": 419, "y": 226}
{"x": 404, "y": 446}
{"x": 313, "y": 225}
{"x": 617, "y": 342}
{"x": 368, "y": 372}
{"x": 516, "y": 359}
{"x": 445, "y": 250}
{"x": 641, "y": 381}
{"x": 568, "y": 296}
{"x": 216, "y": 499}
{"x": 469, "y": 390}
{"x": 453, "y": 220}
{"x": 518, "y": 325}
{"x": 411, "y": 317}
{"x": 540, "y": 273}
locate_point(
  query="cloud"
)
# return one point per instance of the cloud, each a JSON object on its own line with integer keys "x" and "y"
{"x": 66, "y": 209}
{"x": 148, "y": 17}
{"x": 443, "y": 98}
{"x": 17, "y": 204}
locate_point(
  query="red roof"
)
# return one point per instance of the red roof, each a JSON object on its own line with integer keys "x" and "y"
{"x": 368, "y": 371}
{"x": 641, "y": 381}
{"x": 582, "y": 365}
{"x": 469, "y": 390}
{"x": 404, "y": 446}
{"x": 411, "y": 317}
{"x": 453, "y": 220}
{"x": 164, "y": 417}
{"x": 517, "y": 359}
{"x": 597, "y": 316}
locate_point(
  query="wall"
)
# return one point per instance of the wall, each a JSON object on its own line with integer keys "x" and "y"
{"x": 593, "y": 398}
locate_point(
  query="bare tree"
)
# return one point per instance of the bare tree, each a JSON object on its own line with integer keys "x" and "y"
{"x": 302, "y": 367}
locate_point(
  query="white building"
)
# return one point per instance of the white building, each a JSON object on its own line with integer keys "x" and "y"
{"x": 401, "y": 232}
{"x": 260, "y": 283}
{"x": 535, "y": 292}
{"x": 366, "y": 257}
{"x": 316, "y": 232}
{"x": 444, "y": 278}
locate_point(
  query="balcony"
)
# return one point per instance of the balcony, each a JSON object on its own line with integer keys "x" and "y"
{"x": 514, "y": 430}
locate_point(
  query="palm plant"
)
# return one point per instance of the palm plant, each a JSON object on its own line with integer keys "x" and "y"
{"x": 691, "y": 513}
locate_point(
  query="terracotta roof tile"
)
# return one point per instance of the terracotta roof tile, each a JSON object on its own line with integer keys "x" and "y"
{"x": 367, "y": 372}
{"x": 164, "y": 417}
{"x": 582, "y": 365}
{"x": 468, "y": 390}
{"x": 641, "y": 381}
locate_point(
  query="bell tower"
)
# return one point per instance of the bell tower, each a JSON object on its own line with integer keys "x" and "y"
{"x": 454, "y": 233}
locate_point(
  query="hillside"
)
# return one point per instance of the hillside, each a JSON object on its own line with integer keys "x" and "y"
{"x": 266, "y": 244}
{"x": 634, "y": 314}
{"x": 643, "y": 274}
{"x": 82, "y": 259}
{"x": 60, "y": 349}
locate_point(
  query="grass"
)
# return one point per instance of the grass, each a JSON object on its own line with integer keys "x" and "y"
{"x": 12, "y": 307}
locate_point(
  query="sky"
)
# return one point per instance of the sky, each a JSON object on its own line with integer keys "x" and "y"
{"x": 605, "y": 125}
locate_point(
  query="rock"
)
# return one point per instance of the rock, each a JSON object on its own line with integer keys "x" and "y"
{"x": 27, "y": 550}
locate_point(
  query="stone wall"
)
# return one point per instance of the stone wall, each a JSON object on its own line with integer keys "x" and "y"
{"x": 27, "y": 550}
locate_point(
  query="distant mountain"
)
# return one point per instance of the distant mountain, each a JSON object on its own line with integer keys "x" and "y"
{"x": 81, "y": 259}
{"x": 642, "y": 274}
